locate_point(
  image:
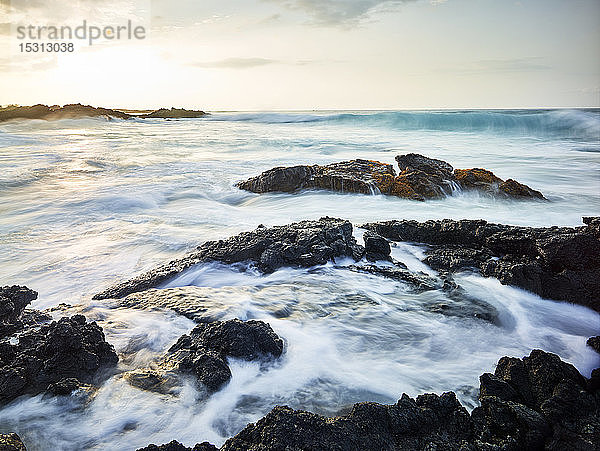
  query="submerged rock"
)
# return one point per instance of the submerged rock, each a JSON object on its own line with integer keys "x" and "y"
{"x": 301, "y": 244}
{"x": 561, "y": 263}
{"x": 420, "y": 178}
{"x": 11, "y": 442}
{"x": 51, "y": 353}
{"x": 418, "y": 281}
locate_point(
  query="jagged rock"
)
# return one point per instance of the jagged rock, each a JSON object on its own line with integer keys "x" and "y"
{"x": 68, "y": 348}
{"x": 420, "y": 178}
{"x": 176, "y": 446}
{"x": 65, "y": 386}
{"x": 376, "y": 247}
{"x": 174, "y": 113}
{"x": 11, "y": 442}
{"x": 13, "y": 301}
{"x": 594, "y": 343}
{"x": 540, "y": 386}
{"x": 538, "y": 402}
{"x": 303, "y": 244}
{"x": 429, "y": 422}
{"x": 204, "y": 351}
{"x": 561, "y": 263}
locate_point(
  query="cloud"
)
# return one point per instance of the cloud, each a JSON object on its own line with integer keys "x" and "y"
{"x": 340, "y": 12}
{"x": 236, "y": 63}
{"x": 528, "y": 64}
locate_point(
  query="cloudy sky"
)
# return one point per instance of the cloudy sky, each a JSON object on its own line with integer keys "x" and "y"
{"x": 311, "y": 54}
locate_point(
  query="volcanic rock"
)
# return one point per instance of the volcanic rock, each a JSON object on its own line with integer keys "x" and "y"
{"x": 68, "y": 348}
{"x": 301, "y": 244}
{"x": 561, "y": 263}
{"x": 420, "y": 178}
{"x": 11, "y": 442}
{"x": 204, "y": 351}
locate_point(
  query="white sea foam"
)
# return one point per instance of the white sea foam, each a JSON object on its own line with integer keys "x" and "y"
{"x": 95, "y": 202}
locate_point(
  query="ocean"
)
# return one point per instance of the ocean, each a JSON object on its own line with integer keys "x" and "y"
{"x": 89, "y": 202}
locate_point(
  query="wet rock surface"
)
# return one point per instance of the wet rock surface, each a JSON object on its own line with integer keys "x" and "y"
{"x": 11, "y": 442}
{"x": 13, "y": 313}
{"x": 420, "y": 178}
{"x": 204, "y": 351}
{"x": 57, "y": 356}
{"x": 538, "y": 402}
{"x": 176, "y": 446}
{"x": 301, "y": 244}
{"x": 594, "y": 343}
{"x": 561, "y": 263}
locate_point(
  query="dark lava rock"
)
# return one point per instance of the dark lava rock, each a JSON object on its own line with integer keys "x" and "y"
{"x": 68, "y": 348}
{"x": 176, "y": 446}
{"x": 204, "y": 351}
{"x": 429, "y": 422}
{"x": 420, "y": 178}
{"x": 561, "y": 263}
{"x": 538, "y": 402}
{"x": 174, "y": 113}
{"x": 376, "y": 247}
{"x": 13, "y": 301}
{"x": 355, "y": 176}
{"x": 303, "y": 244}
{"x": 65, "y": 386}
{"x": 594, "y": 343}
{"x": 11, "y": 442}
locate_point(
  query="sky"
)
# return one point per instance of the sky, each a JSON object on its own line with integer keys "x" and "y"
{"x": 309, "y": 54}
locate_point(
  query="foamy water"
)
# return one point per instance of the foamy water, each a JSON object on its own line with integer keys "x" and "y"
{"x": 85, "y": 203}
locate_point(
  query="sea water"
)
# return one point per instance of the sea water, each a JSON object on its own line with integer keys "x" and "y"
{"x": 90, "y": 202}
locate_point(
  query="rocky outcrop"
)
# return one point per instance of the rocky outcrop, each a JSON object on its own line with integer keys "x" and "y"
{"x": 204, "y": 351}
{"x": 75, "y": 111}
{"x": 420, "y": 178}
{"x": 538, "y": 402}
{"x": 56, "y": 357}
{"x": 13, "y": 314}
{"x": 356, "y": 176}
{"x": 11, "y": 442}
{"x": 173, "y": 113}
{"x": 301, "y": 244}
{"x": 561, "y": 263}
{"x": 203, "y": 354}
{"x": 72, "y": 111}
